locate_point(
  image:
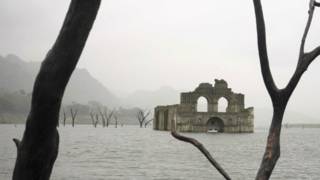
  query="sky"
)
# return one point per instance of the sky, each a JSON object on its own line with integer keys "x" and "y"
{"x": 147, "y": 44}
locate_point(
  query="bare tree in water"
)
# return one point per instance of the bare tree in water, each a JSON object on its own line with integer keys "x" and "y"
{"x": 97, "y": 120}
{"x": 103, "y": 118}
{"x": 279, "y": 96}
{"x": 38, "y": 150}
{"x": 73, "y": 113}
{"x": 142, "y": 116}
{"x": 93, "y": 119}
{"x": 108, "y": 116}
{"x": 147, "y": 122}
{"x": 115, "y": 117}
{"x": 64, "y": 117}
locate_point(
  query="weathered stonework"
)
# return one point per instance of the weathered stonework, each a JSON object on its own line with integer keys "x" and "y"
{"x": 236, "y": 118}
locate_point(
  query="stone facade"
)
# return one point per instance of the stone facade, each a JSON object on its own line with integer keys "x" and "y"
{"x": 235, "y": 119}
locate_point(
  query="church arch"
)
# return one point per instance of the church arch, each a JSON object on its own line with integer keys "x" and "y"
{"x": 202, "y": 104}
{"x": 215, "y": 124}
{"x": 223, "y": 104}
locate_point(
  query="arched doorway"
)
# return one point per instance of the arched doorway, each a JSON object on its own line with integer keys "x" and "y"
{"x": 215, "y": 124}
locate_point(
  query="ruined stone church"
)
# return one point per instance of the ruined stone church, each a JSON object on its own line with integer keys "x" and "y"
{"x": 235, "y": 118}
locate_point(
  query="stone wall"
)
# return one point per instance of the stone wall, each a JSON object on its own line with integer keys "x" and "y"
{"x": 236, "y": 119}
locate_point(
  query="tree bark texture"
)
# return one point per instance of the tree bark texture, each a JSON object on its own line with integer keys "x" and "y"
{"x": 279, "y": 97}
{"x": 37, "y": 151}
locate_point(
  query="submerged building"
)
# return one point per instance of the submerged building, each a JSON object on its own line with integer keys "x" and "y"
{"x": 187, "y": 117}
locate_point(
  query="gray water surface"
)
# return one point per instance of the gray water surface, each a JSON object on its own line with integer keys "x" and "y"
{"x": 130, "y": 152}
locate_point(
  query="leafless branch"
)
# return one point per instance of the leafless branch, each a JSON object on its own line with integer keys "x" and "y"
{"x": 201, "y": 148}
{"x": 147, "y": 122}
{"x": 96, "y": 121}
{"x": 103, "y": 119}
{"x": 92, "y": 116}
{"x": 115, "y": 116}
{"x": 64, "y": 117}
{"x": 142, "y": 116}
{"x": 73, "y": 115}
{"x": 108, "y": 116}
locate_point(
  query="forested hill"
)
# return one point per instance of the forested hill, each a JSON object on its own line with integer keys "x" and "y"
{"x": 18, "y": 75}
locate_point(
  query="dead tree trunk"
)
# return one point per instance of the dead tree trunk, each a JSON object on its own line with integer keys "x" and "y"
{"x": 279, "y": 97}
{"x": 103, "y": 119}
{"x": 147, "y": 122}
{"x": 73, "y": 115}
{"x": 97, "y": 120}
{"x": 92, "y": 119}
{"x": 115, "y": 121}
{"x": 37, "y": 151}
{"x": 108, "y": 116}
{"x": 142, "y": 116}
{"x": 64, "y": 117}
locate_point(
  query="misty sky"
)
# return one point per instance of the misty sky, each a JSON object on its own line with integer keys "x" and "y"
{"x": 146, "y": 44}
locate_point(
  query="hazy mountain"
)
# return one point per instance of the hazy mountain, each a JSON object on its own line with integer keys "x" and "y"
{"x": 16, "y": 74}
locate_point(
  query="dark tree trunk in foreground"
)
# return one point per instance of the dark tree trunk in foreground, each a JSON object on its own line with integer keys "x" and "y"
{"x": 279, "y": 97}
{"x": 38, "y": 149}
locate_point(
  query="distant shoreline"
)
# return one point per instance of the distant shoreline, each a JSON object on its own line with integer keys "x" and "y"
{"x": 294, "y": 125}
{"x": 301, "y": 125}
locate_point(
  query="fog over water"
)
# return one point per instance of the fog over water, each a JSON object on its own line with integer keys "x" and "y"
{"x": 147, "y": 44}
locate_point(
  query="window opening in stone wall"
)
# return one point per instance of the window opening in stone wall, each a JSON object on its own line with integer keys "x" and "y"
{"x": 202, "y": 104}
{"x": 222, "y": 105}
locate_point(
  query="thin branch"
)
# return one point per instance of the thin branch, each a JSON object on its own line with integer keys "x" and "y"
{"x": 108, "y": 117}
{"x": 102, "y": 117}
{"x": 313, "y": 54}
{"x": 97, "y": 120}
{"x": 92, "y": 118}
{"x": 202, "y": 149}
{"x": 146, "y": 115}
{"x": 147, "y": 122}
{"x": 73, "y": 115}
{"x": 305, "y": 59}
{"x": 306, "y": 30}
{"x": 115, "y": 117}
{"x": 64, "y": 117}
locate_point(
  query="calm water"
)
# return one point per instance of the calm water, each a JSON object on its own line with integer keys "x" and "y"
{"x": 134, "y": 153}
